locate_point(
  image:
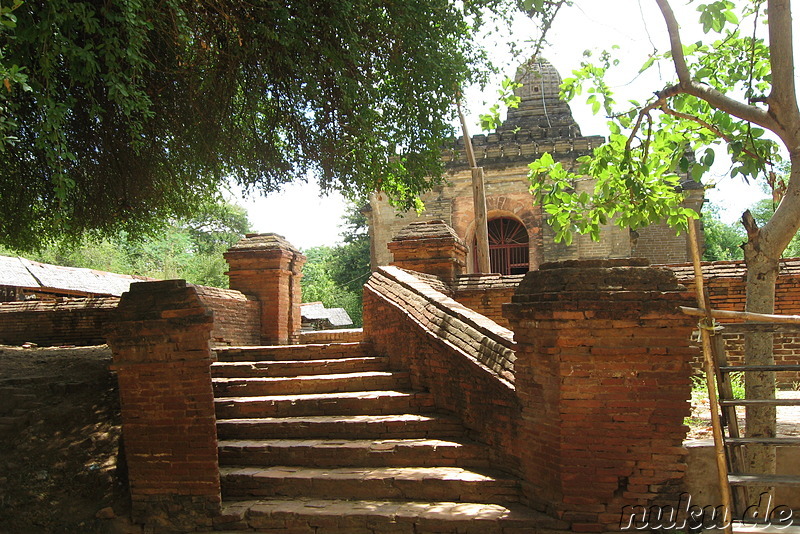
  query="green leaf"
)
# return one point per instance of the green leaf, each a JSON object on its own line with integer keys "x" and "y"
{"x": 647, "y": 64}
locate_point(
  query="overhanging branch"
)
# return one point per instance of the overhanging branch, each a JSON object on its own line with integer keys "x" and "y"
{"x": 703, "y": 91}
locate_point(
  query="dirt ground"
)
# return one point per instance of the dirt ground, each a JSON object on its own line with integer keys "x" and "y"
{"x": 788, "y": 418}
{"x": 59, "y": 442}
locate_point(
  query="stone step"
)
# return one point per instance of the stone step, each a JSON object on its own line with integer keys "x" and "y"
{"x": 301, "y": 385}
{"x": 299, "y": 367}
{"x": 327, "y": 351}
{"x": 350, "y": 427}
{"x": 347, "y": 403}
{"x": 395, "y": 483}
{"x": 354, "y": 452}
{"x": 319, "y": 516}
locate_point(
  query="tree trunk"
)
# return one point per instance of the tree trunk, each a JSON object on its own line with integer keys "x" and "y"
{"x": 762, "y": 273}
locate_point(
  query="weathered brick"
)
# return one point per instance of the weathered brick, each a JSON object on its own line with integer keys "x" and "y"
{"x": 609, "y": 410}
{"x": 167, "y": 404}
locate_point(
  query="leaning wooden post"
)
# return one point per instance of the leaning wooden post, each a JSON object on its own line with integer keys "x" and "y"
{"x": 478, "y": 201}
{"x": 705, "y": 325}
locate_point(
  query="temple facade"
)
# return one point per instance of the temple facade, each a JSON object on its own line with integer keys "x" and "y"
{"x": 519, "y": 236}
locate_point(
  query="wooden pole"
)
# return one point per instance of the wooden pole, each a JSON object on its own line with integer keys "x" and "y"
{"x": 481, "y": 221}
{"x": 708, "y": 360}
{"x": 743, "y": 316}
{"x": 478, "y": 201}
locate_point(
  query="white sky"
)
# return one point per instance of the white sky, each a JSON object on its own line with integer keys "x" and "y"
{"x": 306, "y": 219}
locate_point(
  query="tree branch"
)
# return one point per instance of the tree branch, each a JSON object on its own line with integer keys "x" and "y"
{"x": 704, "y": 91}
{"x": 710, "y": 127}
{"x": 750, "y": 225}
{"x": 783, "y": 98}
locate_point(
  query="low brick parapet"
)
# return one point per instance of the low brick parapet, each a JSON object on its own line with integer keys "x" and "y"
{"x": 62, "y": 321}
{"x": 160, "y": 341}
{"x": 464, "y": 359}
{"x": 602, "y": 374}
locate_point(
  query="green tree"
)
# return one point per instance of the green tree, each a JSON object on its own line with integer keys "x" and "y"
{"x": 723, "y": 241}
{"x": 121, "y": 115}
{"x": 733, "y": 88}
{"x": 190, "y": 249}
{"x": 350, "y": 264}
{"x": 319, "y": 285}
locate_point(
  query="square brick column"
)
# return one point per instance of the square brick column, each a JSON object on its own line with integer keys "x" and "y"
{"x": 430, "y": 247}
{"x": 268, "y": 268}
{"x": 160, "y": 336}
{"x": 602, "y": 373}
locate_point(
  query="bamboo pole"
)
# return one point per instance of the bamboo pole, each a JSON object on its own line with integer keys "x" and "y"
{"x": 744, "y": 316}
{"x": 708, "y": 360}
{"x": 478, "y": 201}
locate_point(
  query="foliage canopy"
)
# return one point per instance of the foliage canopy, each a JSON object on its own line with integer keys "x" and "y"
{"x": 117, "y": 115}
{"x": 655, "y": 143}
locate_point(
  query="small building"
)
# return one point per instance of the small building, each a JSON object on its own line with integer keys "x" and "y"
{"x": 519, "y": 237}
{"x": 315, "y": 316}
{"x": 22, "y": 279}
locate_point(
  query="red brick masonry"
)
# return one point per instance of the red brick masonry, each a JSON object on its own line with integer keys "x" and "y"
{"x": 589, "y": 411}
{"x": 64, "y": 321}
{"x": 160, "y": 341}
{"x": 602, "y": 374}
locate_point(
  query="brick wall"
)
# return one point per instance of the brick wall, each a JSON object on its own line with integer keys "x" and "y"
{"x": 342, "y": 335}
{"x": 725, "y": 282}
{"x": 602, "y": 374}
{"x": 237, "y": 319}
{"x": 464, "y": 359}
{"x": 64, "y": 321}
{"x": 81, "y": 321}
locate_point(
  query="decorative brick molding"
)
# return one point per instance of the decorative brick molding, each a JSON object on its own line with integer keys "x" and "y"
{"x": 160, "y": 341}
{"x": 268, "y": 268}
{"x": 602, "y": 374}
{"x": 430, "y": 247}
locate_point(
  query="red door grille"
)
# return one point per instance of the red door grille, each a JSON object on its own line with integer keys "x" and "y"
{"x": 508, "y": 247}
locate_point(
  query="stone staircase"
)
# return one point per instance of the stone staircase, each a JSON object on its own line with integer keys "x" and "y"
{"x": 326, "y": 439}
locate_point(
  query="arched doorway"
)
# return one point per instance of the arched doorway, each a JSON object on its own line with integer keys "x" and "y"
{"x": 508, "y": 246}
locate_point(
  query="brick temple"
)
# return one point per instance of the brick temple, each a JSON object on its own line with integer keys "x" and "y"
{"x": 520, "y": 239}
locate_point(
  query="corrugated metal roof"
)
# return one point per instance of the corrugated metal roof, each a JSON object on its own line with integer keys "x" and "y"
{"x": 14, "y": 273}
{"x": 316, "y": 311}
{"x": 24, "y": 273}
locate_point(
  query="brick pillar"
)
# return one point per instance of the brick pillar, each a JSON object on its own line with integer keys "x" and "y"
{"x": 602, "y": 374}
{"x": 430, "y": 247}
{"x": 268, "y": 268}
{"x": 160, "y": 336}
